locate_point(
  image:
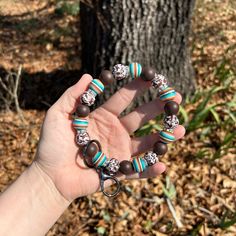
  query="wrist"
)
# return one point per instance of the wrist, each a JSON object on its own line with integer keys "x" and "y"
{"x": 47, "y": 203}
{"x": 32, "y": 203}
{"x": 46, "y": 184}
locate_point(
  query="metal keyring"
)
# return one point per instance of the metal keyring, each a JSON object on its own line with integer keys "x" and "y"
{"x": 103, "y": 178}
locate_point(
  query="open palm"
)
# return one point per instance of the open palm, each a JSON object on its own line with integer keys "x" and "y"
{"x": 58, "y": 155}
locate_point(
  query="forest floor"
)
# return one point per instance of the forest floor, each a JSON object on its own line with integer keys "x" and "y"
{"x": 36, "y": 36}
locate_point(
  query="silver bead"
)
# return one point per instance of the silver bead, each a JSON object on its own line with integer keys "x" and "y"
{"x": 112, "y": 166}
{"x": 159, "y": 82}
{"x": 151, "y": 158}
{"x": 87, "y": 98}
{"x": 170, "y": 122}
{"x": 120, "y": 71}
{"x": 82, "y": 138}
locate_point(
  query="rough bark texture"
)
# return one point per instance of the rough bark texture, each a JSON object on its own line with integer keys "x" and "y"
{"x": 151, "y": 32}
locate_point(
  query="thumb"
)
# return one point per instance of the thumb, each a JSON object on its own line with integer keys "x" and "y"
{"x": 69, "y": 99}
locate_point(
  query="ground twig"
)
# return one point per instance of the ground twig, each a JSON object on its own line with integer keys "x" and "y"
{"x": 173, "y": 212}
{"x": 11, "y": 86}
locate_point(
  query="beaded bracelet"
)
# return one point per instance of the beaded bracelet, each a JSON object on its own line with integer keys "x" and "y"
{"x": 109, "y": 168}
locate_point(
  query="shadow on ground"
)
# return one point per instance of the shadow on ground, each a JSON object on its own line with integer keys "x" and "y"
{"x": 40, "y": 90}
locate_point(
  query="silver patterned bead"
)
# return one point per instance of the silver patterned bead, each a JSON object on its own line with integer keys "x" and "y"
{"x": 112, "y": 166}
{"x": 170, "y": 122}
{"x": 151, "y": 158}
{"x": 159, "y": 82}
{"x": 82, "y": 138}
{"x": 120, "y": 71}
{"x": 87, "y": 98}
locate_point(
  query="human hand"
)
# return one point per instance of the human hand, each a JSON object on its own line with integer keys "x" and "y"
{"x": 57, "y": 154}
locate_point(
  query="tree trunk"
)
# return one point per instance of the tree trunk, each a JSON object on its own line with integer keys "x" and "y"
{"x": 151, "y": 32}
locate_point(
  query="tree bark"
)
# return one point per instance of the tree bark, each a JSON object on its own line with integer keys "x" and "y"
{"x": 151, "y": 32}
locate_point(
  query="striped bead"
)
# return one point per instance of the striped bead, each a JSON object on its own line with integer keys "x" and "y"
{"x": 139, "y": 164}
{"x": 96, "y": 86}
{"x": 167, "y": 94}
{"x": 166, "y": 136}
{"x": 135, "y": 70}
{"x": 80, "y": 123}
{"x": 99, "y": 160}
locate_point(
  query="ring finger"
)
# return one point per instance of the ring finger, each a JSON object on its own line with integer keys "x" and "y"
{"x": 144, "y": 113}
{"x": 142, "y": 144}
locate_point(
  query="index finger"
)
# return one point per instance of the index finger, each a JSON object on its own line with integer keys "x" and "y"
{"x": 123, "y": 97}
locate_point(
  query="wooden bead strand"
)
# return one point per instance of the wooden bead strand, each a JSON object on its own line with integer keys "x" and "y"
{"x": 108, "y": 168}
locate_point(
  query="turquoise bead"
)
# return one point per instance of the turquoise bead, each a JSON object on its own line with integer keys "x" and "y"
{"x": 135, "y": 70}
{"x": 96, "y": 86}
{"x": 166, "y": 136}
{"x": 80, "y": 123}
{"x": 167, "y": 94}
{"x": 99, "y": 159}
{"x": 139, "y": 164}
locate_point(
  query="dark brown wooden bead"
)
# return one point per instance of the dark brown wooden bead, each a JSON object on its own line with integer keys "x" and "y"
{"x": 160, "y": 148}
{"x": 148, "y": 73}
{"x": 171, "y": 108}
{"x": 91, "y": 150}
{"x": 126, "y": 167}
{"x": 82, "y": 110}
{"x": 106, "y": 77}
